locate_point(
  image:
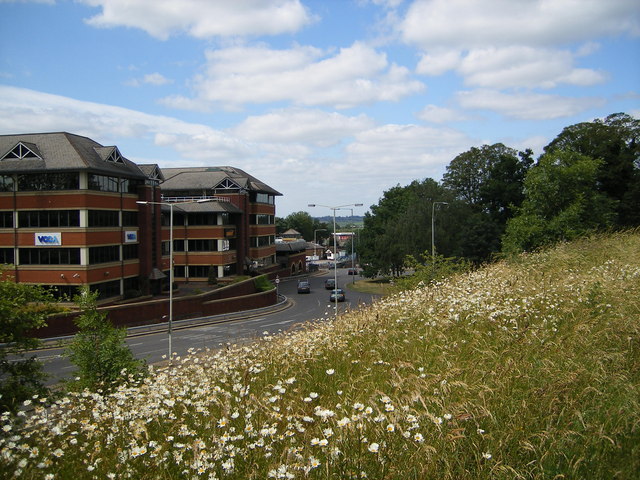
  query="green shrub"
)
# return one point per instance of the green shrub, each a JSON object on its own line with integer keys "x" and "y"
{"x": 99, "y": 350}
{"x": 263, "y": 284}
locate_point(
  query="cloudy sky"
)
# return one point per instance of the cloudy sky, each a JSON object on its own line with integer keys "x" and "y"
{"x": 328, "y": 101}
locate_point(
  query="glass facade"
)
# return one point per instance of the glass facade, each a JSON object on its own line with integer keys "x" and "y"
{"x": 35, "y": 182}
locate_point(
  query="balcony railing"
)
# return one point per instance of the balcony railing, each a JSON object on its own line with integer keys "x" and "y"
{"x": 193, "y": 199}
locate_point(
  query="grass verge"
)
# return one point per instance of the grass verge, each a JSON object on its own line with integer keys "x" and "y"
{"x": 520, "y": 370}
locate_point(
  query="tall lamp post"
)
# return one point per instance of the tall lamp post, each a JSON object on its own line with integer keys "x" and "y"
{"x": 171, "y": 205}
{"x": 353, "y": 261}
{"x": 335, "y": 245}
{"x": 433, "y": 227}
{"x": 314, "y": 238}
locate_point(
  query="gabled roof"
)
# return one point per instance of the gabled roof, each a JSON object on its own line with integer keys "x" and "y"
{"x": 210, "y": 178}
{"x": 63, "y": 151}
{"x": 152, "y": 171}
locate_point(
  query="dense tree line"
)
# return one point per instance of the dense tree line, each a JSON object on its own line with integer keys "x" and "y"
{"x": 496, "y": 200}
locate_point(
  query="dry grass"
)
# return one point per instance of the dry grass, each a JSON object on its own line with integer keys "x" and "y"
{"x": 528, "y": 370}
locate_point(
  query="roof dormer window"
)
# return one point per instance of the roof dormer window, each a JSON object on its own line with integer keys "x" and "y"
{"x": 110, "y": 154}
{"x": 227, "y": 184}
{"x": 22, "y": 151}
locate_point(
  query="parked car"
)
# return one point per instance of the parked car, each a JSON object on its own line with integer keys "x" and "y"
{"x": 352, "y": 271}
{"x": 337, "y": 295}
{"x": 304, "y": 287}
{"x": 330, "y": 283}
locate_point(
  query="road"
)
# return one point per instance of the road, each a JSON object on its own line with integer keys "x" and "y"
{"x": 153, "y": 347}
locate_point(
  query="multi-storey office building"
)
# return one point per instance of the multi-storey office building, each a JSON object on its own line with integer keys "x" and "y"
{"x": 70, "y": 215}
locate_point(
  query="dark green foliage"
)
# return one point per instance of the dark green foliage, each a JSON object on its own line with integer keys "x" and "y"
{"x": 400, "y": 225}
{"x": 562, "y": 203}
{"x": 262, "y": 283}
{"x": 616, "y": 142}
{"x": 99, "y": 350}
{"x": 23, "y": 308}
{"x": 305, "y": 224}
{"x": 427, "y": 269}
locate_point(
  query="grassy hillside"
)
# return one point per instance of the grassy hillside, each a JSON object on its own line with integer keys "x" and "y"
{"x": 528, "y": 369}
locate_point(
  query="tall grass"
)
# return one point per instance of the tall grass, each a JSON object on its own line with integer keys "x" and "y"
{"x": 521, "y": 370}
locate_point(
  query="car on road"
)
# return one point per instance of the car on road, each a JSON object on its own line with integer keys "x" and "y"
{"x": 304, "y": 287}
{"x": 330, "y": 283}
{"x": 352, "y": 271}
{"x": 337, "y": 295}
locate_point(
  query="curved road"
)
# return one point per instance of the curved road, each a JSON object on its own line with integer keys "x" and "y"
{"x": 153, "y": 346}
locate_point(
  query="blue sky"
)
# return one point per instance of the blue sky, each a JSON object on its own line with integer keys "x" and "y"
{"x": 328, "y": 101}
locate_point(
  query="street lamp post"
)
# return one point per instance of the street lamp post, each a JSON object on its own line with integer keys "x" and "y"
{"x": 335, "y": 246}
{"x": 433, "y": 226}
{"x": 353, "y": 261}
{"x": 171, "y": 205}
{"x": 314, "y": 238}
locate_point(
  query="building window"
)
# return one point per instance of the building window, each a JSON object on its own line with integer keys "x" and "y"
{"x": 262, "y": 219}
{"x": 31, "y": 182}
{"x": 106, "y": 289}
{"x": 7, "y": 183}
{"x": 49, "y": 218}
{"x": 129, "y": 219}
{"x": 7, "y": 255}
{"x": 63, "y": 292}
{"x": 257, "y": 197}
{"x": 178, "y": 246}
{"x": 131, "y": 283}
{"x": 6, "y": 219}
{"x": 108, "y": 253}
{"x": 130, "y": 252}
{"x": 201, "y": 219}
{"x": 49, "y": 256}
{"x": 199, "y": 270}
{"x": 103, "y": 183}
{"x": 263, "y": 241}
{"x": 104, "y": 218}
{"x": 203, "y": 245}
{"x": 226, "y": 218}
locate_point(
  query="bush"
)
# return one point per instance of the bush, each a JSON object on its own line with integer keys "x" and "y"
{"x": 23, "y": 308}
{"x": 263, "y": 284}
{"x": 99, "y": 350}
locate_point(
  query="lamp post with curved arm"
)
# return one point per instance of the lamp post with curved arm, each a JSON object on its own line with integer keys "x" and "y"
{"x": 335, "y": 245}
{"x": 171, "y": 205}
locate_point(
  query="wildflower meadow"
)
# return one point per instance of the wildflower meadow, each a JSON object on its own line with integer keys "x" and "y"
{"x": 528, "y": 368}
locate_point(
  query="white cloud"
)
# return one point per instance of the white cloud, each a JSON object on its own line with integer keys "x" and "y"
{"x": 155, "y": 79}
{"x": 202, "y": 18}
{"x": 525, "y": 67}
{"x": 508, "y": 43}
{"x": 403, "y": 152}
{"x": 469, "y": 24}
{"x": 298, "y": 125}
{"x": 24, "y": 110}
{"x": 526, "y": 106}
{"x": 436, "y": 114}
{"x": 352, "y": 76}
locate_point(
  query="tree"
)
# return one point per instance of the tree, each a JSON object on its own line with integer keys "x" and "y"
{"x": 400, "y": 225}
{"x": 305, "y": 224}
{"x": 23, "y": 308}
{"x": 99, "y": 350}
{"x": 616, "y": 141}
{"x": 488, "y": 185}
{"x": 562, "y": 202}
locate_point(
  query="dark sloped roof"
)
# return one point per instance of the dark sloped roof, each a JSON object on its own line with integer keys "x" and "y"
{"x": 64, "y": 151}
{"x": 207, "y": 178}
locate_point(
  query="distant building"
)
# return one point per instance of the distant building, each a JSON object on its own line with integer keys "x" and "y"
{"x": 69, "y": 217}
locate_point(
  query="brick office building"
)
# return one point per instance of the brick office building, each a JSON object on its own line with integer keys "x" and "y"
{"x": 70, "y": 216}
